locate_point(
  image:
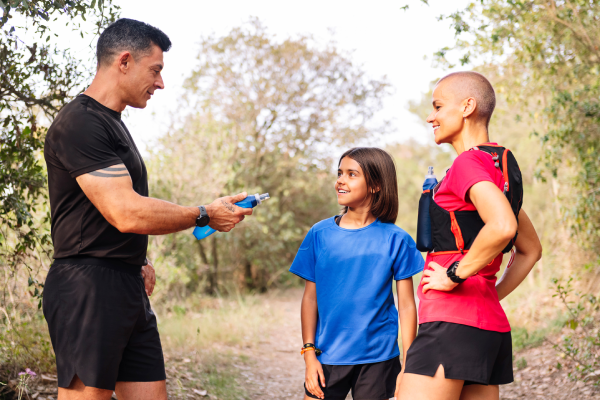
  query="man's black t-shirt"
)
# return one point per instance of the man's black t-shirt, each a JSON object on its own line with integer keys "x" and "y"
{"x": 87, "y": 136}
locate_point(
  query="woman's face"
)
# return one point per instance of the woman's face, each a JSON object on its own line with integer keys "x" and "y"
{"x": 447, "y": 115}
{"x": 351, "y": 185}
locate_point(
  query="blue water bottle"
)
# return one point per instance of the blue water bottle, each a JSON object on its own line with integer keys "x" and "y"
{"x": 249, "y": 202}
{"x": 424, "y": 239}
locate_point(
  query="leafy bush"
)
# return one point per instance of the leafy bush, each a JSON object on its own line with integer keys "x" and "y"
{"x": 581, "y": 340}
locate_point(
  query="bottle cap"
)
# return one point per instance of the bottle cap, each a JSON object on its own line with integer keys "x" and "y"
{"x": 262, "y": 197}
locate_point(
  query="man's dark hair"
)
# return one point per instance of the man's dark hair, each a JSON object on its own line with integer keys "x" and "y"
{"x": 129, "y": 34}
{"x": 380, "y": 174}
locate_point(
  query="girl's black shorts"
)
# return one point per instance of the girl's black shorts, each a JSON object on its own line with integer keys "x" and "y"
{"x": 367, "y": 381}
{"x": 101, "y": 324}
{"x": 474, "y": 355}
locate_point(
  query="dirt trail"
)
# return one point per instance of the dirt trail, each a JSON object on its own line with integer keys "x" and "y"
{"x": 277, "y": 370}
{"x": 281, "y": 372}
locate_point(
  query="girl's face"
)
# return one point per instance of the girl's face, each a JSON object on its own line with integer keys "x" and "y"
{"x": 447, "y": 115}
{"x": 351, "y": 185}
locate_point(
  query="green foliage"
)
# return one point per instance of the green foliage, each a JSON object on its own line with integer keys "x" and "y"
{"x": 548, "y": 54}
{"x": 581, "y": 343}
{"x": 267, "y": 115}
{"x": 36, "y": 80}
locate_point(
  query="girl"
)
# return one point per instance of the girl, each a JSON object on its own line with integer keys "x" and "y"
{"x": 463, "y": 349}
{"x": 349, "y": 321}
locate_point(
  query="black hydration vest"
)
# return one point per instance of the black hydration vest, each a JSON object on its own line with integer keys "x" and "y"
{"x": 455, "y": 231}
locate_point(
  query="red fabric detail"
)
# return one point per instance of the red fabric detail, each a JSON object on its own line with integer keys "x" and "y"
{"x": 505, "y": 168}
{"x": 475, "y": 301}
{"x": 512, "y": 258}
{"x": 443, "y": 253}
{"x": 427, "y": 191}
{"x": 460, "y": 243}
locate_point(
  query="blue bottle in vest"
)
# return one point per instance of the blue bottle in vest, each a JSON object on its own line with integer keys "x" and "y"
{"x": 249, "y": 202}
{"x": 424, "y": 239}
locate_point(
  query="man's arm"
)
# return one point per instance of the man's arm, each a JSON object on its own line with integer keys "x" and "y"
{"x": 111, "y": 191}
{"x": 528, "y": 251}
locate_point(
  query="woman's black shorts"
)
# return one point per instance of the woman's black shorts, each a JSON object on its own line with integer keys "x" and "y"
{"x": 101, "y": 324}
{"x": 367, "y": 381}
{"x": 474, "y": 355}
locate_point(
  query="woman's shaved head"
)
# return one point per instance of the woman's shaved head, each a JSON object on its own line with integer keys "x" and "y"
{"x": 472, "y": 84}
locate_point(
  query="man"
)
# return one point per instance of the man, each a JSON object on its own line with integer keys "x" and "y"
{"x": 102, "y": 327}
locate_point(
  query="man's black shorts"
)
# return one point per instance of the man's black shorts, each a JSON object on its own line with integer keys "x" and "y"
{"x": 374, "y": 381}
{"x": 101, "y": 324}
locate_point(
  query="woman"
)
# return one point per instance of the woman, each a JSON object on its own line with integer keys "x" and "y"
{"x": 463, "y": 349}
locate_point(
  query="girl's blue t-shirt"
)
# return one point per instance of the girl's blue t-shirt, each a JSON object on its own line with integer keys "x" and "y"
{"x": 353, "y": 270}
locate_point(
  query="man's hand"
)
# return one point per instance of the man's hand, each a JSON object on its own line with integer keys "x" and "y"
{"x": 437, "y": 279}
{"x": 149, "y": 277}
{"x": 314, "y": 374}
{"x": 224, "y": 214}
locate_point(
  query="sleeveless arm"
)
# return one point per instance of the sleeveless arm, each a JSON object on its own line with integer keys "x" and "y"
{"x": 528, "y": 251}
{"x": 500, "y": 227}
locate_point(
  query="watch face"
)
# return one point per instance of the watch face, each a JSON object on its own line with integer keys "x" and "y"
{"x": 202, "y": 221}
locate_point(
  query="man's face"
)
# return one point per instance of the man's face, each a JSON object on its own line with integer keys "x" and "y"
{"x": 447, "y": 115}
{"x": 143, "y": 77}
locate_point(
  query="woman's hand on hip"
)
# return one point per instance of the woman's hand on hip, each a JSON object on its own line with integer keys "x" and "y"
{"x": 314, "y": 374}
{"x": 437, "y": 279}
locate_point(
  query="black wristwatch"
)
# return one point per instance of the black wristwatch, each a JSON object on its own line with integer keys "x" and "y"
{"x": 203, "y": 219}
{"x": 451, "y": 272}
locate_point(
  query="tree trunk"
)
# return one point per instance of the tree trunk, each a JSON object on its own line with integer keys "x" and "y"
{"x": 248, "y": 279}
{"x": 212, "y": 276}
{"x": 204, "y": 259}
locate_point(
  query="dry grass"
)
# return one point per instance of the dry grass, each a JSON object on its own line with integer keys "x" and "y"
{"x": 203, "y": 323}
{"x": 204, "y": 341}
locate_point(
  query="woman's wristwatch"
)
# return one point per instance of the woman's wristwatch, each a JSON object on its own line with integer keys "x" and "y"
{"x": 451, "y": 273}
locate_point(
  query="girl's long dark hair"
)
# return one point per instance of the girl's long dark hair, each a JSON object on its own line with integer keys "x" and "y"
{"x": 380, "y": 174}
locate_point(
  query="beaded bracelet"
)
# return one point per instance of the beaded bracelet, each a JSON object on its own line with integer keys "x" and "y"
{"x": 309, "y": 347}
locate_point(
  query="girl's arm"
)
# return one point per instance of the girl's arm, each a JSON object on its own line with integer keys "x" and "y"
{"x": 528, "y": 252}
{"x": 308, "y": 314}
{"x": 407, "y": 312}
{"x": 500, "y": 227}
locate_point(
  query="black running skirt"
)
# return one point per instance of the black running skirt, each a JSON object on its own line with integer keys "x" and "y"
{"x": 474, "y": 355}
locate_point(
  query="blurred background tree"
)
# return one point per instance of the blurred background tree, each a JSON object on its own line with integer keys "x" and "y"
{"x": 36, "y": 80}
{"x": 265, "y": 116}
{"x": 550, "y": 71}
{"x": 543, "y": 58}
{"x": 268, "y": 114}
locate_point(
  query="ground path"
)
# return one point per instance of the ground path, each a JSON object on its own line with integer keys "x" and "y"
{"x": 275, "y": 370}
